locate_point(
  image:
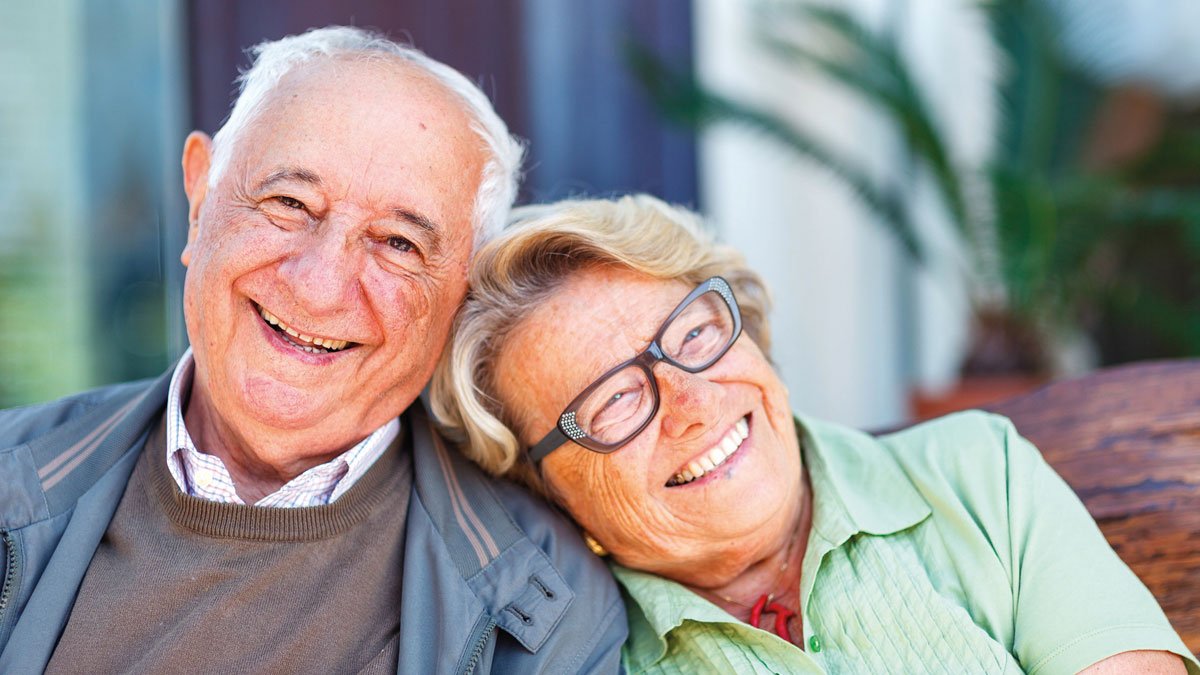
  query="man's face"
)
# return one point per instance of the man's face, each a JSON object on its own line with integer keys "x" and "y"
{"x": 343, "y": 216}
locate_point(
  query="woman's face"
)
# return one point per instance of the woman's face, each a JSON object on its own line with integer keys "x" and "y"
{"x": 704, "y": 532}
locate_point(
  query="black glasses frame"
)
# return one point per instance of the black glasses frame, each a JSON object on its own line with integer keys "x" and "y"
{"x": 568, "y": 430}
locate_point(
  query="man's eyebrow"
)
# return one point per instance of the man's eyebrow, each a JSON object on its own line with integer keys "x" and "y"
{"x": 290, "y": 174}
{"x": 416, "y": 219}
{"x": 410, "y": 216}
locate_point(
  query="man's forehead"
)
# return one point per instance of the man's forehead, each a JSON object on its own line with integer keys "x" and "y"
{"x": 381, "y": 127}
{"x": 342, "y": 92}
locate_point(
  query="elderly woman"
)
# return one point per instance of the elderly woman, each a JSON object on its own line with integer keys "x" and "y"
{"x": 614, "y": 359}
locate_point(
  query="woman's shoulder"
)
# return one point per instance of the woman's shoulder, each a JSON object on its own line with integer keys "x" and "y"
{"x": 966, "y": 449}
{"x": 964, "y": 466}
{"x": 959, "y": 448}
{"x": 969, "y": 431}
{"x": 984, "y": 483}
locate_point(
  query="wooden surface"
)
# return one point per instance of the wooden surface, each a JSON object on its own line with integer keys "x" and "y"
{"x": 1127, "y": 439}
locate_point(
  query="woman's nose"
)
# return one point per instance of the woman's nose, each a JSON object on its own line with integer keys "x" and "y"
{"x": 690, "y": 402}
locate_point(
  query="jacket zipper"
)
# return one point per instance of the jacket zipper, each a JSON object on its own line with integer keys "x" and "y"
{"x": 10, "y": 574}
{"x": 472, "y": 662}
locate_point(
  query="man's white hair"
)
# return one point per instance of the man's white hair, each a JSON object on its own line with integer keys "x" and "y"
{"x": 275, "y": 58}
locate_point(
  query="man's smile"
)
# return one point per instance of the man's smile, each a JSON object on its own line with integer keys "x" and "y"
{"x": 308, "y": 343}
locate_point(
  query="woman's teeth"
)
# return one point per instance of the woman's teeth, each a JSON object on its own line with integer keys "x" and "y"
{"x": 312, "y": 345}
{"x": 714, "y": 457}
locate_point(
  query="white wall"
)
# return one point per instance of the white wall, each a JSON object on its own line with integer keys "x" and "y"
{"x": 854, "y": 327}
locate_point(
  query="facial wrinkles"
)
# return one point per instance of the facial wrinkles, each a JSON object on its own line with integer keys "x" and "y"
{"x": 434, "y": 119}
{"x": 650, "y": 532}
{"x": 383, "y": 198}
{"x": 311, "y": 280}
{"x": 537, "y": 346}
{"x": 350, "y": 127}
{"x": 446, "y": 132}
{"x": 341, "y": 256}
{"x": 630, "y": 482}
{"x": 418, "y": 324}
{"x": 633, "y": 516}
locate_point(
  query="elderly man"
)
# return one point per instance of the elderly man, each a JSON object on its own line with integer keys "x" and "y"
{"x": 262, "y": 507}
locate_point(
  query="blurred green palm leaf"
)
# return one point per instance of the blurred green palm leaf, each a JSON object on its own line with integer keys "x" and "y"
{"x": 1062, "y": 235}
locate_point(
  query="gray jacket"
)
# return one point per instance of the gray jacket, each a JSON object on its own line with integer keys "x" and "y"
{"x": 493, "y": 580}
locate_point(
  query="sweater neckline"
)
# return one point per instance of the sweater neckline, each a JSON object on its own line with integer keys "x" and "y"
{"x": 266, "y": 523}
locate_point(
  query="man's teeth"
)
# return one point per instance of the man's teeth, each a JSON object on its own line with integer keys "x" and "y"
{"x": 716, "y": 456}
{"x": 305, "y": 342}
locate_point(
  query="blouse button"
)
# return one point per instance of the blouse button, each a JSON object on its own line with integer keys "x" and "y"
{"x": 814, "y": 643}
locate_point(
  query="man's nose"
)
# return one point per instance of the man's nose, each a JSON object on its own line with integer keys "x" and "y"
{"x": 690, "y": 402}
{"x": 322, "y": 274}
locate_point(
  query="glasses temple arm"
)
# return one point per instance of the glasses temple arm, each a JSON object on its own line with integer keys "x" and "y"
{"x": 547, "y": 445}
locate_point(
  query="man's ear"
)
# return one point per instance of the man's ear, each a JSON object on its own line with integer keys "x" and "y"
{"x": 197, "y": 158}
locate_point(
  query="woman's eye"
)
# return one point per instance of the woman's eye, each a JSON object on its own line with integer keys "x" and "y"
{"x": 291, "y": 202}
{"x": 699, "y": 332}
{"x": 619, "y": 402}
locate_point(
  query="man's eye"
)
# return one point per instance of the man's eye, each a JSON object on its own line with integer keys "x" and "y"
{"x": 291, "y": 202}
{"x": 401, "y": 244}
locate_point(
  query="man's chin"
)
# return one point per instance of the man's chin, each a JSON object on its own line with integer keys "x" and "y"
{"x": 278, "y": 405}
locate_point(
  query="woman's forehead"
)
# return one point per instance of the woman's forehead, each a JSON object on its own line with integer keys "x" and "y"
{"x": 598, "y": 318}
{"x": 620, "y": 303}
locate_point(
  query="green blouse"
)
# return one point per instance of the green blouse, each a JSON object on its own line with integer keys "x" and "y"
{"x": 951, "y": 547}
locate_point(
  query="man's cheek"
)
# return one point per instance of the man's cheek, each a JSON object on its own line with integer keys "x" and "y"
{"x": 413, "y": 304}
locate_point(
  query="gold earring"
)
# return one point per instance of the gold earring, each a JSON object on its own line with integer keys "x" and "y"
{"x": 594, "y": 546}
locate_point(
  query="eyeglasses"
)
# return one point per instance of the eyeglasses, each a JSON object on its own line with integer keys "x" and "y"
{"x": 618, "y": 405}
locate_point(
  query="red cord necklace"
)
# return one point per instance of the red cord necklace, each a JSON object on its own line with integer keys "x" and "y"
{"x": 782, "y": 616}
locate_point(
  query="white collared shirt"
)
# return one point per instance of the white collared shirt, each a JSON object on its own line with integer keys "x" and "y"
{"x": 205, "y": 476}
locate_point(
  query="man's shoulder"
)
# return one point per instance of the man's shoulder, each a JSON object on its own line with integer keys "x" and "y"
{"x": 20, "y": 425}
{"x": 523, "y": 560}
{"x": 589, "y": 636}
{"x": 545, "y": 526}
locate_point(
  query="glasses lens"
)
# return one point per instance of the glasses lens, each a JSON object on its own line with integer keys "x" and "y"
{"x": 617, "y": 407}
{"x": 700, "y": 333}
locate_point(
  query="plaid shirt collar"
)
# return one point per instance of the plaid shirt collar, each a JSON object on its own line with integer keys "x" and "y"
{"x": 205, "y": 476}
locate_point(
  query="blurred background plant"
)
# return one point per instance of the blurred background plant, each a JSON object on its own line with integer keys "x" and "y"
{"x": 1081, "y": 235}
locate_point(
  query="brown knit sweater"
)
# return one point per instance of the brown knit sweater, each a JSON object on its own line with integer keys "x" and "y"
{"x": 180, "y": 584}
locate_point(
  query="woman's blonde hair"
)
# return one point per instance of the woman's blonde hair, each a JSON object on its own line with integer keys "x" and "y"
{"x": 524, "y": 265}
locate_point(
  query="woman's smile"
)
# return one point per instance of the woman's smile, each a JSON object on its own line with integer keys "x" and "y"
{"x": 723, "y": 455}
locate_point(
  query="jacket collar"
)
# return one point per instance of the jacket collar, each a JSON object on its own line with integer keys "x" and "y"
{"x": 72, "y": 455}
{"x": 513, "y": 579}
